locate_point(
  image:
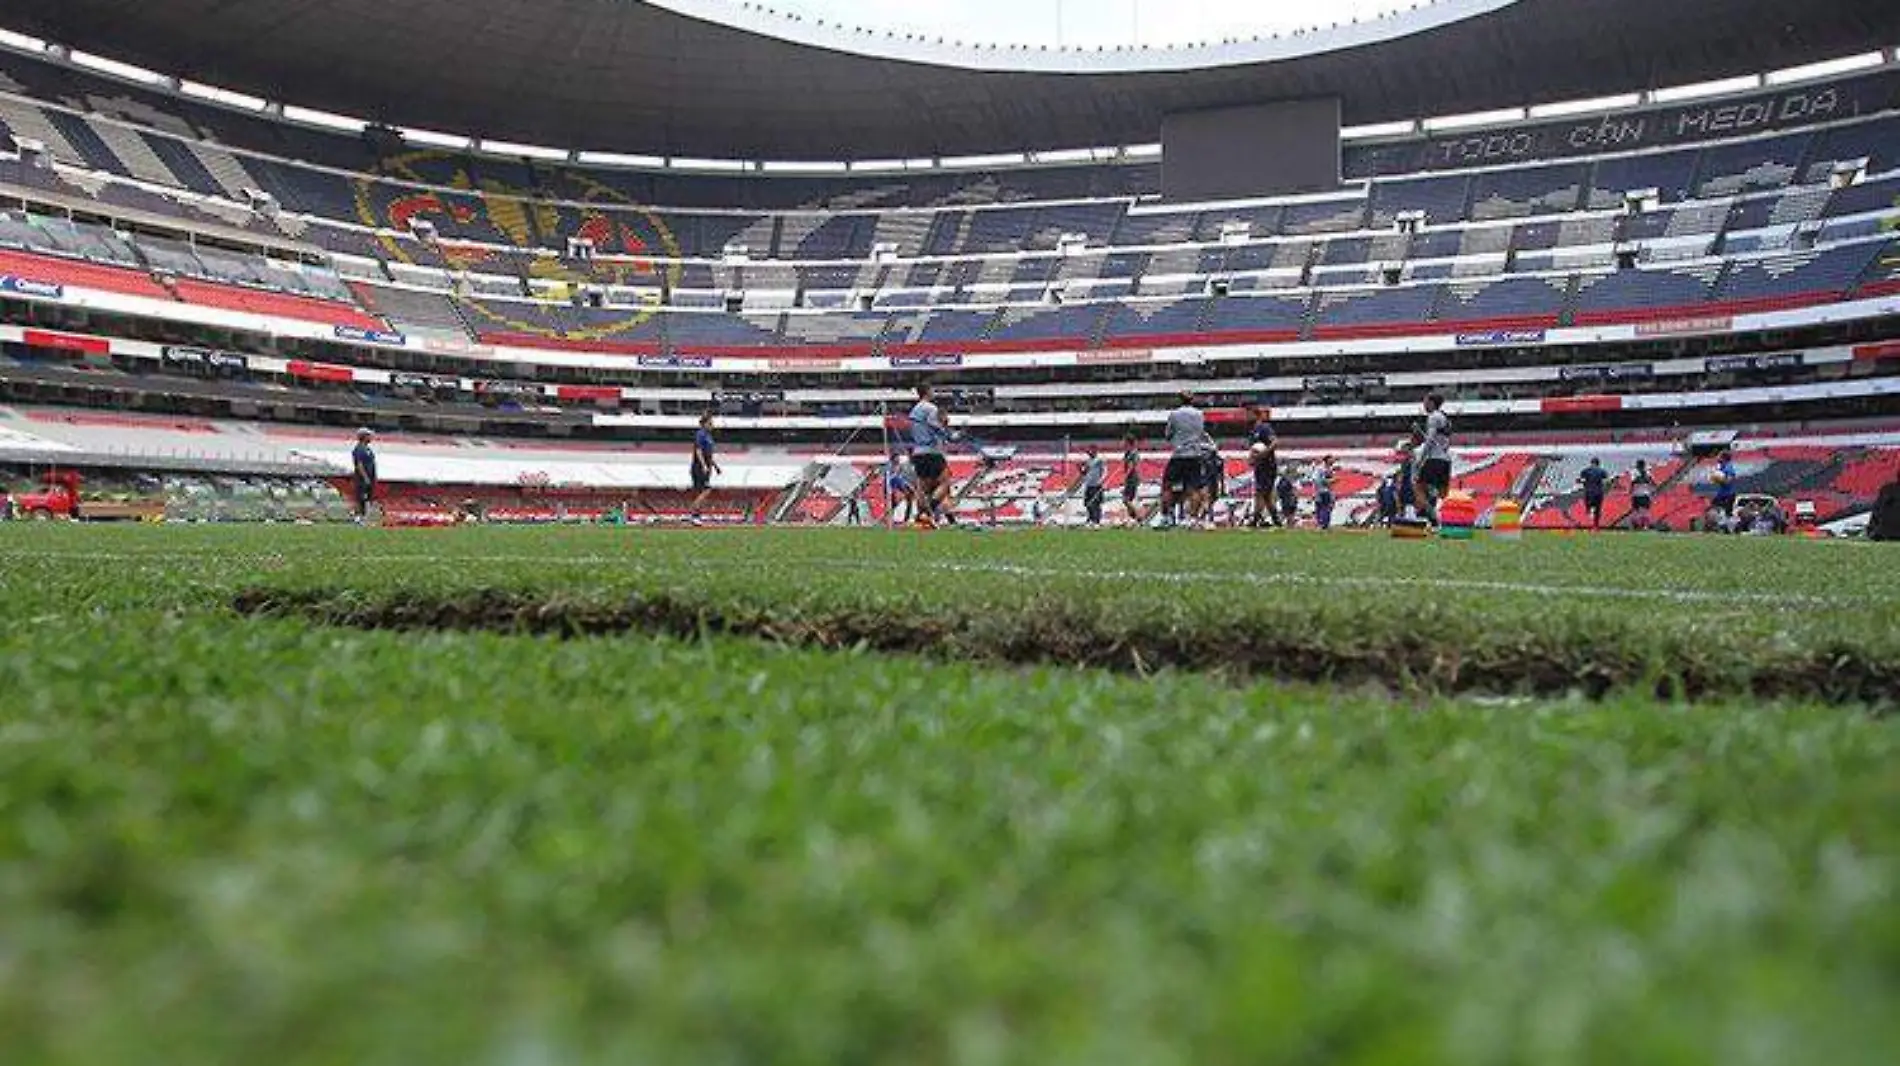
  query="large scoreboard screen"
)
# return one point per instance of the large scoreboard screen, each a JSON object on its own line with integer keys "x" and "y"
{"x": 1236, "y": 153}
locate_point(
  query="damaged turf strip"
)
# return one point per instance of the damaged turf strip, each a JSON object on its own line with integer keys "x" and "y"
{"x": 1436, "y": 650}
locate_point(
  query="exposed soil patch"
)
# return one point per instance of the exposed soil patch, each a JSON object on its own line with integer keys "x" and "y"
{"x": 1509, "y": 662}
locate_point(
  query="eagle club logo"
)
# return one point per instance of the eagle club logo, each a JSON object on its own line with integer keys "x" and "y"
{"x": 473, "y": 214}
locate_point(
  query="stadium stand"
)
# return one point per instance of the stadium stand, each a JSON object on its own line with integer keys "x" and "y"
{"x": 138, "y": 193}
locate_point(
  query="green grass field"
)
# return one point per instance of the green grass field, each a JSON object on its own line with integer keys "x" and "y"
{"x": 522, "y": 796}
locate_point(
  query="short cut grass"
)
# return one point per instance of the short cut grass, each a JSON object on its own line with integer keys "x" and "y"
{"x": 239, "y": 837}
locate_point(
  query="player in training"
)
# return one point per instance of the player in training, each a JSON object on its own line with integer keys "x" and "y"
{"x": 1289, "y": 499}
{"x": 1214, "y": 478}
{"x": 1131, "y": 479}
{"x": 1094, "y": 482}
{"x": 901, "y": 482}
{"x": 362, "y": 473}
{"x": 929, "y": 431}
{"x": 1405, "y": 479}
{"x": 1263, "y": 455}
{"x": 705, "y": 465}
{"x": 1724, "y": 481}
{"x": 1595, "y": 482}
{"x": 1642, "y": 493}
{"x": 1433, "y": 476}
{"x": 1387, "y": 495}
{"x": 1322, "y": 478}
{"x": 1184, "y": 485}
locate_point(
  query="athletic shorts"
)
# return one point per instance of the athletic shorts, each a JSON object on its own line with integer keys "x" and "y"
{"x": 1213, "y": 473}
{"x": 1594, "y": 503}
{"x": 1265, "y": 476}
{"x": 1435, "y": 474}
{"x": 1186, "y": 473}
{"x": 1640, "y": 503}
{"x": 929, "y": 465}
{"x": 702, "y": 477}
{"x": 1131, "y": 489}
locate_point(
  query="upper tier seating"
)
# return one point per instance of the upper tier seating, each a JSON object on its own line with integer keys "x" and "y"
{"x": 487, "y": 200}
{"x": 1528, "y": 191}
{"x": 1646, "y": 292}
{"x": 412, "y": 311}
{"x": 1025, "y": 258}
{"x": 141, "y": 140}
{"x": 1513, "y": 301}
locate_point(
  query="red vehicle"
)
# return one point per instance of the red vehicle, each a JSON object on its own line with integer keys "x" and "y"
{"x": 59, "y": 499}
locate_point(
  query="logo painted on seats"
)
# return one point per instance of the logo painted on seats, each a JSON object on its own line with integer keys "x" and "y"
{"x": 478, "y": 218}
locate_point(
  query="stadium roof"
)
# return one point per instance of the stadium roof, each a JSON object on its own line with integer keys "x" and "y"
{"x": 636, "y": 77}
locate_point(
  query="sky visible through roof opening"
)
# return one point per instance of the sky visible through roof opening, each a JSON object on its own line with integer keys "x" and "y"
{"x": 1089, "y": 23}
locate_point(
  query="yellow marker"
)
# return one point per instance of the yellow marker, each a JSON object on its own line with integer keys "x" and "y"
{"x": 1507, "y": 520}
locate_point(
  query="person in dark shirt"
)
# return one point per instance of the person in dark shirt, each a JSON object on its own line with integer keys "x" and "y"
{"x": 1595, "y": 481}
{"x": 1289, "y": 499}
{"x": 1214, "y": 477}
{"x": 1388, "y": 500}
{"x": 704, "y": 464}
{"x": 1769, "y": 519}
{"x": 1323, "y": 493}
{"x": 1263, "y": 455}
{"x": 1642, "y": 494}
{"x": 363, "y": 473}
{"x": 1131, "y": 479}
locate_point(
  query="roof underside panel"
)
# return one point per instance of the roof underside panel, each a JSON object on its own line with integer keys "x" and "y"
{"x": 618, "y": 75}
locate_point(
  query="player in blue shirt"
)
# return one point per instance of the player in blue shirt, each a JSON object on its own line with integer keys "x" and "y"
{"x": 363, "y": 473}
{"x": 704, "y": 464}
{"x": 902, "y": 500}
{"x": 1724, "y": 478}
{"x": 1596, "y": 482}
{"x": 1322, "y": 478}
{"x": 1404, "y": 479}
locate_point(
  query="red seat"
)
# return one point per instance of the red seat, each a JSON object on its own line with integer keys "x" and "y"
{"x": 82, "y": 274}
{"x": 276, "y": 304}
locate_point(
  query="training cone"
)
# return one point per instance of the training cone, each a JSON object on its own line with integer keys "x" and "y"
{"x": 1507, "y": 520}
{"x": 1457, "y": 516}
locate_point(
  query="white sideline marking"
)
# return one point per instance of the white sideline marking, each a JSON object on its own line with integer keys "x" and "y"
{"x": 1177, "y": 577}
